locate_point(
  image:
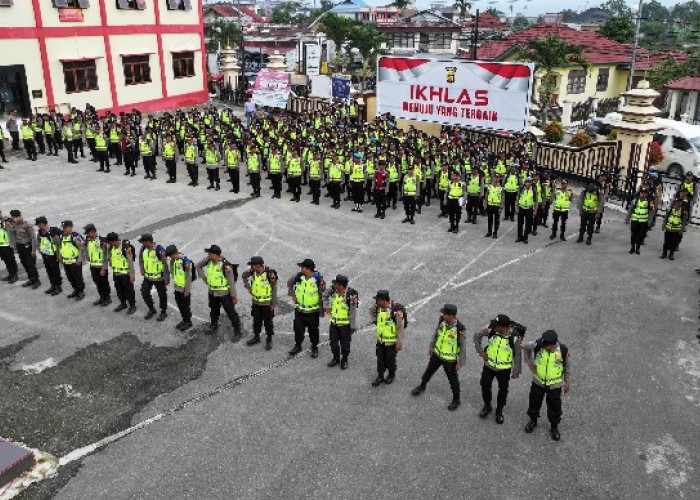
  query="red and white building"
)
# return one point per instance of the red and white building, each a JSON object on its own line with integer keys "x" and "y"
{"x": 113, "y": 54}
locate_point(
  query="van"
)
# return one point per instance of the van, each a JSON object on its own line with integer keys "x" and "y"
{"x": 680, "y": 143}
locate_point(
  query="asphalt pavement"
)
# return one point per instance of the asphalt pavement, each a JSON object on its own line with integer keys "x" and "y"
{"x": 218, "y": 419}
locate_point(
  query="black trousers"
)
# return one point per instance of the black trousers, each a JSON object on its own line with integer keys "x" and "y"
{"x": 30, "y": 147}
{"x": 472, "y": 207}
{"x": 494, "y": 218}
{"x": 2, "y": 150}
{"x": 380, "y": 201}
{"x": 262, "y": 315}
{"x": 510, "y": 204}
{"x": 213, "y": 176}
{"x": 427, "y": 192}
{"x": 450, "y": 368}
{"x": 315, "y": 185}
{"x": 78, "y": 146}
{"x": 74, "y": 273}
{"x": 91, "y": 147}
{"x": 183, "y": 305}
{"x": 334, "y": 190}
{"x": 587, "y": 223}
{"x": 358, "y": 192}
{"x": 162, "y": 294}
{"x": 234, "y": 178}
{"x": 115, "y": 151}
{"x": 39, "y": 138}
{"x": 443, "y": 205}
{"x": 454, "y": 211}
{"x": 304, "y": 321}
{"x": 255, "y": 182}
{"x": 215, "y": 305}
{"x": 125, "y": 289}
{"x": 53, "y": 270}
{"x": 524, "y": 219}
{"x": 368, "y": 189}
{"x": 340, "y": 338}
{"x": 50, "y": 145}
{"x": 386, "y": 358}
{"x": 8, "y": 257}
{"x": 671, "y": 240}
{"x": 409, "y": 206}
{"x": 28, "y": 261}
{"x": 130, "y": 162}
{"x": 101, "y": 282}
{"x": 393, "y": 194}
{"x": 149, "y": 166}
{"x": 103, "y": 157}
{"x": 15, "y": 140}
{"x": 294, "y": 183}
{"x": 193, "y": 172}
{"x": 537, "y": 394}
{"x": 503, "y": 377}
{"x": 638, "y": 232}
{"x": 559, "y": 216}
{"x": 171, "y": 169}
{"x": 544, "y": 213}
{"x": 69, "y": 149}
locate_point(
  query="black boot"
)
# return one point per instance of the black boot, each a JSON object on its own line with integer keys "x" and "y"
{"x": 344, "y": 363}
{"x": 268, "y": 343}
{"x": 530, "y": 426}
{"x": 378, "y": 381}
{"x": 254, "y": 340}
{"x": 417, "y": 390}
{"x": 212, "y": 327}
{"x": 296, "y": 350}
{"x": 334, "y": 362}
{"x": 554, "y": 432}
{"x": 485, "y": 411}
{"x": 454, "y": 404}
{"x": 580, "y": 238}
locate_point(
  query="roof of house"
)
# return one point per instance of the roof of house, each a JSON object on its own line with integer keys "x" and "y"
{"x": 691, "y": 83}
{"x": 487, "y": 21}
{"x": 348, "y": 7}
{"x": 597, "y": 48}
{"x": 591, "y": 16}
{"x": 231, "y": 10}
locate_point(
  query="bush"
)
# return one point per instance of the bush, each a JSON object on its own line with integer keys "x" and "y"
{"x": 612, "y": 136}
{"x": 655, "y": 153}
{"x": 580, "y": 139}
{"x": 554, "y": 132}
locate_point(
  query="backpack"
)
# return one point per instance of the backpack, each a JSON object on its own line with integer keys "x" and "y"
{"x": 564, "y": 351}
{"x": 396, "y": 307}
{"x": 126, "y": 245}
{"x": 234, "y": 268}
{"x": 350, "y": 294}
{"x": 193, "y": 269}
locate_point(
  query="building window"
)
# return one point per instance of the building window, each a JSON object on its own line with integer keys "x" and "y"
{"x": 404, "y": 40}
{"x": 183, "y": 64}
{"x": 179, "y": 4}
{"x": 602, "y": 82}
{"x": 441, "y": 41}
{"x": 136, "y": 69}
{"x": 577, "y": 82}
{"x": 5, "y": 3}
{"x": 131, "y": 4}
{"x": 70, "y": 4}
{"x": 80, "y": 76}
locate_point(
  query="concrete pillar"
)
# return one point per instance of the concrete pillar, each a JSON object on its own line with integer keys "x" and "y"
{"x": 567, "y": 109}
{"x": 230, "y": 67}
{"x": 690, "y": 107}
{"x": 674, "y": 104}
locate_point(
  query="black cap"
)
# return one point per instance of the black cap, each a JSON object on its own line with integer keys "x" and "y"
{"x": 67, "y": 223}
{"x": 112, "y": 236}
{"x": 146, "y": 237}
{"x": 89, "y": 228}
{"x": 40, "y": 220}
{"x": 256, "y": 260}
{"x": 170, "y": 249}
{"x": 590, "y": 187}
{"x": 15, "y": 213}
{"x": 213, "y": 249}
{"x": 449, "y": 309}
{"x": 341, "y": 280}
{"x": 549, "y": 337}
{"x": 308, "y": 263}
{"x": 382, "y": 295}
{"x": 502, "y": 320}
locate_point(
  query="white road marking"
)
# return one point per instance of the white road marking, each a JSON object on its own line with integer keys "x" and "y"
{"x": 670, "y": 461}
{"x": 418, "y": 266}
{"x": 39, "y": 367}
{"x": 198, "y": 318}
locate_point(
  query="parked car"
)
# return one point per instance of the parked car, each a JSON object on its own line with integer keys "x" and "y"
{"x": 680, "y": 143}
{"x": 600, "y": 128}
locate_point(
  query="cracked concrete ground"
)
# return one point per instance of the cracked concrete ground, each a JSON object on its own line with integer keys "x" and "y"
{"x": 240, "y": 422}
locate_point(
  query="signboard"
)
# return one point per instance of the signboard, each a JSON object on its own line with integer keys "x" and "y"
{"x": 321, "y": 86}
{"x": 313, "y": 59}
{"x": 271, "y": 89}
{"x": 341, "y": 87}
{"x": 456, "y": 92}
{"x": 70, "y": 15}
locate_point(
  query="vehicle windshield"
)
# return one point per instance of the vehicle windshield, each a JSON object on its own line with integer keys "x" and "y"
{"x": 695, "y": 141}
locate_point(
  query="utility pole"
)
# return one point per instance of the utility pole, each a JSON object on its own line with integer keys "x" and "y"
{"x": 475, "y": 36}
{"x": 634, "y": 48}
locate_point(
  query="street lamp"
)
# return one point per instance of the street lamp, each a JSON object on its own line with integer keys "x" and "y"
{"x": 637, "y": 12}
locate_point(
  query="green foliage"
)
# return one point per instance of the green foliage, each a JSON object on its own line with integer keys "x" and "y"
{"x": 580, "y": 139}
{"x": 654, "y": 11}
{"x": 669, "y": 70}
{"x": 567, "y": 15}
{"x": 684, "y": 12}
{"x": 495, "y": 12}
{"x": 617, "y": 8}
{"x": 620, "y": 29}
{"x": 401, "y": 4}
{"x": 224, "y": 33}
{"x": 463, "y": 7}
{"x": 554, "y": 132}
{"x": 612, "y": 136}
{"x": 337, "y": 29}
{"x": 368, "y": 41}
{"x": 520, "y": 23}
{"x": 281, "y": 16}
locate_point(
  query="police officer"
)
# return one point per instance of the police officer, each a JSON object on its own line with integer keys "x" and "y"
{"x": 95, "y": 254}
{"x": 121, "y": 260}
{"x": 220, "y": 276}
{"x": 182, "y": 269}
{"x": 28, "y": 139}
{"x": 526, "y": 209}
{"x": 101, "y": 145}
{"x": 253, "y": 168}
{"x": 475, "y": 193}
{"x": 294, "y": 172}
{"x": 550, "y": 363}
{"x": 170, "y": 158}
{"x": 211, "y": 159}
{"x": 493, "y": 204}
{"x": 67, "y": 131}
{"x": 389, "y": 319}
{"x": 341, "y": 303}
{"x": 590, "y": 210}
{"x": 232, "y": 157}
{"x": 154, "y": 269}
{"x": 71, "y": 248}
{"x": 410, "y": 191}
{"x": 147, "y": 150}
{"x": 261, "y": 283}
{"x": 191, "y": 161}
{"x": 48, "y": 248}
{"x": 673, "y": 226}
{"x": 455, "y": 191}
{"x": 638, "y": 214}
{"x": 502, "y": 361}
{"x": 305, "y": 289}
{"x": 7, "y": 253}
{"x": 446, "y": 349}
{"x": 23, "y": 242}
{"x": 358, "y": 180}
{"x": 561, "y": 200}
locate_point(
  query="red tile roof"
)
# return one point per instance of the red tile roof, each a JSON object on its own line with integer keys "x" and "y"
{"x": 597, "y": 48}
{"x": 229, "y": 10}
{"x": 691, "y": 83}
{"x": 488, "y": 22}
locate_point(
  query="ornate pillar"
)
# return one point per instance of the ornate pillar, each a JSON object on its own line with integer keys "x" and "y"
{"x": 230, "y": 67}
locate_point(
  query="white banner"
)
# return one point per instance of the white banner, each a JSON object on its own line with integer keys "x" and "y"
{"x": 271, "y": 89}
{"x": 474, "y": 94}
{"x": 321, "y": 86}
{"x": 313, "y": 59}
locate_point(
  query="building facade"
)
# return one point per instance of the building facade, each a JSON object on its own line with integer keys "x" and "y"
{"x": 112, "y": 54}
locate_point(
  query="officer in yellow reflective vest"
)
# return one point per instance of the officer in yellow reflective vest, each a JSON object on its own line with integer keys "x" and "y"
{"x": 95, "y": 254}
{"x": 115, "y": 150}
{"x": 389, "y": 320}
{"x": 341, "y": 303}
{"x": 78, "y": 138}
{"x": 673, "y": 228}
{"x": 181, "y": 269}
{"x": 7, "y": 253}
{"x": 335, "y": 181}
{"x": 191, "y": 161}
{"x": 561, "y": 200}
{"x": 147, "y": 152}
{"x": 261, "y": 283}
{"x": 502, "y": 361}
{"x": 526, "y": 210}
{"x": 253, "y": 167}
{"x": 550, "y": 363}
{"x": 28, "y": 139}
{"x": 475, "y": 193}
{"x": 211, "y": 159}
{"x": 48, "y": 129}
{"x": 47, "y": 243}
{"x": 638, "y": 214}
{"x": 443, "y": 181}
{"x": 306, "y": 289}
{"x": 446, "y": 349}
{"x": 156, "y": 273}
{"x": 71, "y": 248}
{"x": 410, "y": 191}
{"x": 274, "y": 164}
{"x": 170, "y": 158}
{"x": 511, "y": 186}
{"x": 358, "y": 179}
{"x": 232, "y": 157}
{"x": 454, "y": 197}
{"x": 121, "y": 260}
{"x": 67, "y": 131}
{"x": 590, "y": 210}
{"x": 220, "y": 276}
{"x": 294, "y": 172}
{"x": 315, "y": 171}
{"x": 101, "y": 150}
{"x": 493, "y": 204}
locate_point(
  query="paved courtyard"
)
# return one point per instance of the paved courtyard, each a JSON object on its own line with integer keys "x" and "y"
{"x": 216, "y": 419}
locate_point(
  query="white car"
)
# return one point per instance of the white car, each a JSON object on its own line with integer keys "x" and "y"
{"x": 680, "y": 143}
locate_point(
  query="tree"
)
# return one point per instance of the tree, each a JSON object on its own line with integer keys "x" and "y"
{"x": 401, "y": 4}
{"x": 281, "y": 16}
{"x": 520, "y": 23}
{"x": 223, "y": 33}
{"x": 669, "y": 69}
{"x": 620, "y": 29}
{"x": 567, "y": 15}
{"x": 369, "y": 43}
{"x": 549, "y": 53}
{"x": 495, "y": 12}
{"x": 684, "y": 12}
{"x": 337, "y": 29}
{"x": 617, "y": 8}
{"x": 654, "y": 11}
{"x": 463, "y": 7}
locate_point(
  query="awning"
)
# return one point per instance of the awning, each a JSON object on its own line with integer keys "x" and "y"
{"x": 184, "y": 50}
{"x": 216, "y": 78}
{"x": 137, "y": 55}
{"x": 81, "y": 59}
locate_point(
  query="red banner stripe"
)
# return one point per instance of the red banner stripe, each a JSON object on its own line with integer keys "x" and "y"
{"x": 507, "y": 70}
